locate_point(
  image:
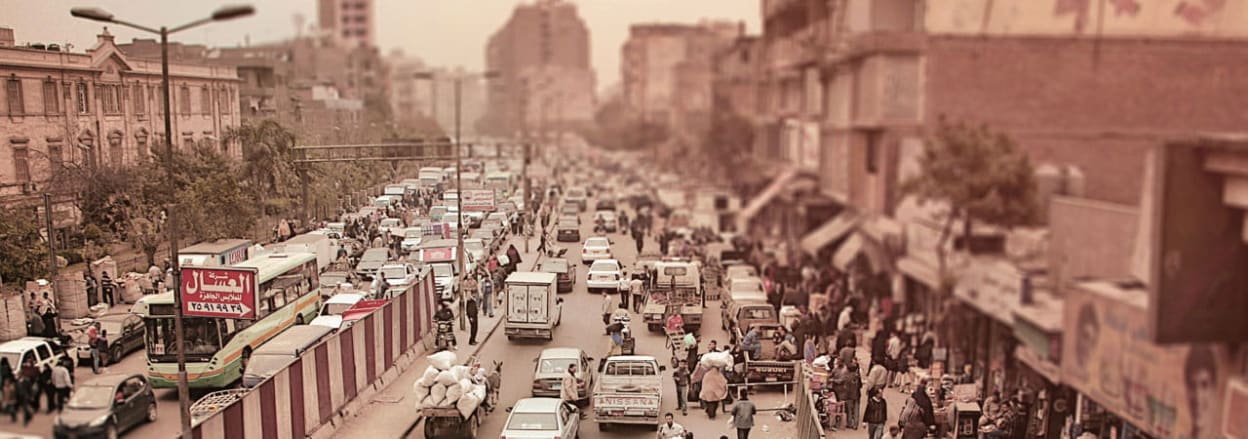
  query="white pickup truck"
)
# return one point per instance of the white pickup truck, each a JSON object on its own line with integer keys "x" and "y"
{"x": 629, "y": 391}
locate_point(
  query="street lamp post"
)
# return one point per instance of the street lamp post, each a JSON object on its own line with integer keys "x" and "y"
{"x": 459, "y": 169}
{"x": 222, "y": 14}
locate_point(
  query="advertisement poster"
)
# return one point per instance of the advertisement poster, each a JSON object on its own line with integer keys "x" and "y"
{"x": 477, "y": 200}
{"x": 219, "y": 292}
{"x": 1167, "y": 391}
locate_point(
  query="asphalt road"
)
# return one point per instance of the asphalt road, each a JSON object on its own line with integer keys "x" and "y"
{"x": 582, "y": 328}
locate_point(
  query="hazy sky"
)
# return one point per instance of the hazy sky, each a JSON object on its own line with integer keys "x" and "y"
{"x": 442, "y": 32}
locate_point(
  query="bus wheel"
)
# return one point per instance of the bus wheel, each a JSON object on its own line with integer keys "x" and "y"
{"x": 299, "y": 319}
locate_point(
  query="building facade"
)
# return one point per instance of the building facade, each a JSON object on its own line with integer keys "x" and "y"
{"x": 102, "y": 108}
{"x": 541, "y": 56}
{"x": 350, "y": 23}
{"x": 667, "y": 70}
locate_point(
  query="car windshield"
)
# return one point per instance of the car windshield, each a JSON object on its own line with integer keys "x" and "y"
{"x": 597, "y": 242}
{"x": 442, "y": 270}
{"x": 394, "y": 272}
{"x": 92, "y": 397}
{"x": 556, "y": 365}
{"x": 335, "y": 309}
{"x": 604, "y": 266}
{"x": 758, "y": 314}
{"x": 532, "y": 422}
{"x": 112, "y": 326}
{"x": 474, "y": 246}
{"x": 375, "y": 255}
{"x": 412, "y": 233}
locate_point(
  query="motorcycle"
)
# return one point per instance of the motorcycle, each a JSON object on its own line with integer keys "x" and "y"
{"x": 627, "y": 344}
{"x": 446, "y": 335}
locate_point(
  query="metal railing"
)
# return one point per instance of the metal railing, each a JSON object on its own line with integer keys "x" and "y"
{"x": 807, "y": 418}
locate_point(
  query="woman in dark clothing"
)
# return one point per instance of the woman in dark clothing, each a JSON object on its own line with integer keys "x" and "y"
{"x": 923, "y": 353}
{"x": 918, "y": 417}
{"x": 8, "y": 388}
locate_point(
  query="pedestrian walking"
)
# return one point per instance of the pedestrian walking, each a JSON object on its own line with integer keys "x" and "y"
{"x": 876, "y": 414}
{"x": 568, "y": 387}
{"x": 92, "y": 285}
{"x": 854, "y": 391}
{"x": 623, "y": 289}
{"x": 45, "y": 389}
{"x": 62, "y": 383}
{"x": 636, "y": 290}
{"x": 8, "y": 388}
{"x": 107, "y": 287}
{"x": 608, "y": 306}
{"x": 47, "y": 312}
{"x": 714, "y": 390}
{"x": 99, "y": 351}
{"x": 487, "y": 295}
{"x": 473, "y": 313}
{"x": 27, "y": 393}
{"x": 681, "y": 377}
{"x": 917, "y": 417}
{"x": 541, "y": 246}
{"x": 743, "y": 415}
{"x": 670, "y": 429}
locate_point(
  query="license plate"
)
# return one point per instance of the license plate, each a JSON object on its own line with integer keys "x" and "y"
{"x": 634, "y": 413}
{"x": 771, "y": 379}
{"x": 556, "y": 386}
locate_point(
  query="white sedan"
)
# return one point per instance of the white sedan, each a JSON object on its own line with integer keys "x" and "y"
{"x": 596, "y": 248}
{"x": 542, "y": 418}
{"x": 605, "y": 275}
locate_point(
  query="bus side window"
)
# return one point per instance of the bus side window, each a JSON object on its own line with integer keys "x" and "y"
{"x": 278, "y": 299}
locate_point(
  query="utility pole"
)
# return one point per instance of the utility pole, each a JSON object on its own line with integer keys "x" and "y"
{"x": 459, "y": 204}
{"x": 47, "y": 216}
{"x": 528, "y": 187}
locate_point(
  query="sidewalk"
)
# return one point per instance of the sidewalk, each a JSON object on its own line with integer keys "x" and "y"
{"x": 390, "y": 413}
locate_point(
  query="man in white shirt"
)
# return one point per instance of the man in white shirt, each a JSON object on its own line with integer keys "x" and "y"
{"x": 670, "y": 429}
{"x": 62, "y": 383}
{"x": 844, "y": 319}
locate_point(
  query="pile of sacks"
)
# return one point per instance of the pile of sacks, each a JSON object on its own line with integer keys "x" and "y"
{"x": 446, "y": 384}
{"x": 721, "y": 359}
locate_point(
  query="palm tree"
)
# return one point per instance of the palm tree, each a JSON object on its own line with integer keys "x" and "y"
{"x": 268, "y": 154}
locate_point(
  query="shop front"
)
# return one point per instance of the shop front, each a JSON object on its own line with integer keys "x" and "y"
{"x": 991, "y": 290}
{"x": 1130, "y": 386}
{"x": 1038, "y": 329}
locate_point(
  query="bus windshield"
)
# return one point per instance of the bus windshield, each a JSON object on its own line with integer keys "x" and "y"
{"x": 203, "y": 338}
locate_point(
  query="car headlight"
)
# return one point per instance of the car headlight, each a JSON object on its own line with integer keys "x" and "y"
{"x": 99, "y": 421}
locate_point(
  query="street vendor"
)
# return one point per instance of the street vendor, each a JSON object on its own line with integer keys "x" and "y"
{"x": 675, "y": 322}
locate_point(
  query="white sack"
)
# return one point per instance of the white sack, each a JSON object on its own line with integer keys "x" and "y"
{"x": 429, "y": 378}
{"x": 717, "y": 359}
{"x": 467, "y": 404}
{"x": 437, "y": 392}
{"x": 430, "y": 402}
{"x": 443, "y": 360}
{"x": 420, "y": 391}
{"x": 460, "y": 372}
{"x": 478, "y": 392}
{"x": 466, "y": 384}
{"x": 446, "y": 378}
{"x": 453, "y": 393}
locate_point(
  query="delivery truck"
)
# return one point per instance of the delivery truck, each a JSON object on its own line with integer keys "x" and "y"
{"x": 533, "y": 308}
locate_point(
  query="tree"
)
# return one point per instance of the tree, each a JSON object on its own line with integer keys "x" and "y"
{"x": 23, "y": 251}
{"x": 728, "y": 142}
{"x": 268, "y": 158}
{"x": 211, "y": 201}
{"x": 980, "y": 175}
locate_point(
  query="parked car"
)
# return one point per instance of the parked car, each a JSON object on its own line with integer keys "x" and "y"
{"x": 399, "y": 275}
{"x": 551, "y": 366}
{"x": 411, "y": 239}
{"x": 45, "y": 351}
{"x": 124, "y": 333}
{"x": 544, "y": 418}
{"x": 285, "y": 348}
{"x": 565, "y": 271}
{"x": 106, "y": 406}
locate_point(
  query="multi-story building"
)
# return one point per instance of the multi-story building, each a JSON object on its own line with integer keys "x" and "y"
{"x": 423, "y": 95}
{"x": 101, "y": 108}
{"x": 347, "y": 22}
{"x": 855, "y": 89}
{"x": 541, "y": 56}
{"x": 295, "y": 81}
{"x": 666, "y": 70}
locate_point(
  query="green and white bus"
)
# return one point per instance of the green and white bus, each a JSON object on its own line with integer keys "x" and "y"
{"x": 217, "y": 350}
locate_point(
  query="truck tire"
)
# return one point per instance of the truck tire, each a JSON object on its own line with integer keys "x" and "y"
{"x": 430, "y": 431}
{"x": 653, "y": 327}
{"x": 602, "y": 426}
{"x": 473, "y": 427}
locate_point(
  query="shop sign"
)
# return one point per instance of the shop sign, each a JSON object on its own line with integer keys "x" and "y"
{"x": 993, "y": 287}
{"x": 1172, "y": 391}
{"x": 225, "y": 292}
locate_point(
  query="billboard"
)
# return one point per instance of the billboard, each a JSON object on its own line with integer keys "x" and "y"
{"x": 1197, "y": 254}
{"x": 437, "y": 254}
{"x": 220, "y": 292}
{"x": 477, "y": 200}
{"x": 1170, "y": 391}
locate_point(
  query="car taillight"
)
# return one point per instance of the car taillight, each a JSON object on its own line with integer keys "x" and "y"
{"x": 538, "y": 385}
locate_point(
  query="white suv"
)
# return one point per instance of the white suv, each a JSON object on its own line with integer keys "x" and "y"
{"x": 604, "y": 275}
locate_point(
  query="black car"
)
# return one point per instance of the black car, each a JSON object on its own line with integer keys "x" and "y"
{"x": 106, "y": 406}
{"x": 565, "y": 273}
{"x": 605, "y": 204}
{"x": 125, "y": 335}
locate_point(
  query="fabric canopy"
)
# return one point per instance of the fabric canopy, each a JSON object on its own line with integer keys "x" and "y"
{"x": 848, "y": 251}
{"x": 757, "y": 203}
{"x": 830, "y": 231}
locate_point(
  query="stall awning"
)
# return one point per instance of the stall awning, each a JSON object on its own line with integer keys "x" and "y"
{"x": 830, "y": 231}
{"x": 757, "y": 203}
{"x": 848, "y": 251}
{"x": 1045, "y": 368}
{"x": 920, "y": 271}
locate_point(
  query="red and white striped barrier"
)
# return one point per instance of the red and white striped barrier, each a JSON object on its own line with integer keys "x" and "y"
{"x": 323, "y": 383}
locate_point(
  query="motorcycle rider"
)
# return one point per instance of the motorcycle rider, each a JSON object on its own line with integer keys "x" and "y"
{"x": 445, "y": 317}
